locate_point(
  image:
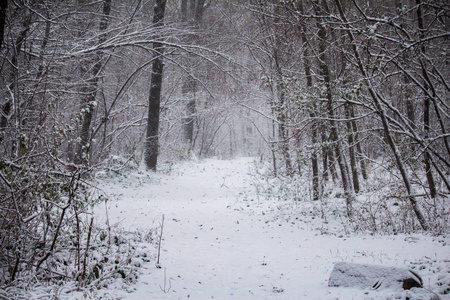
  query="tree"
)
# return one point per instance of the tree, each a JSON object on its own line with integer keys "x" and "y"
{"x": 312, "y": 114}
{"x": 92, "y": 68}
{"x": 378, "y": 103}
{"x": 322, "y": 11}
{"x": 12, "y": 75}
{"x": 191, "y": 15}
{"x": 154, "y": 99}
{"x": 427, "y": 103}
{"x": 274, "y": 46}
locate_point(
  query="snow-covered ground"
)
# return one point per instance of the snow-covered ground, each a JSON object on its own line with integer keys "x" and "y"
{"x": 221, "y": 240}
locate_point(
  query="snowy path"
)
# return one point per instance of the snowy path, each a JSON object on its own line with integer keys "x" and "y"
{"x": 219, "y": 243}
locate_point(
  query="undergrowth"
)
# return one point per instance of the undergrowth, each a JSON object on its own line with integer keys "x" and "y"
{"x": 381, "y": 207}
{"x": 51, "y": 244}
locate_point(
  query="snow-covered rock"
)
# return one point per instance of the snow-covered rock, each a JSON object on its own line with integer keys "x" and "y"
{"x": 364, "y": 276}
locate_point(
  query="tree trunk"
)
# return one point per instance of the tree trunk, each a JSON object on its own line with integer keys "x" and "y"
{"x": 273, "y": 148}
{"x": 192, "y": 13}
{"x": 362, "y": 162}
{"x": 154, "y": 99}
{"x": 314, "y": 131}
{"x": 280, "y": 110}
{"x": 89, "y": 101}
{"x": 351, "y": 148}
{"x": 188, "y": 90}
{"x": 406, "y": 92}
{"x": 327, "y": 159}
{"x": 183, "y": 11}
{"x": 325, "y": 172}
{"x": 426, "y": 110}
{"x": 279, "y": 94}
{"x": 427, "y": 158}
{"x": 409, "y": 101}
{"x": 13, "y": 75}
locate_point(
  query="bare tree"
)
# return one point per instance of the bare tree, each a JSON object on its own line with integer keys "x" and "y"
{"x": 191, "y": 15}
{"x": 154, "y": 100}
{"x": 322, "y": 11}
{"x": 378, "y": 103}
{"x": 312, "y": 114}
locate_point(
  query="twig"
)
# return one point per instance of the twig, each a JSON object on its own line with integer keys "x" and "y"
{"x": 74, "y": 182}
{"x": 16, "y": 267}
{"x": 159, "y": 244}
{"x": 165, "y": 281}
{"x": 44, "y": 258}
{"x": 109, "y": 227}
{"x": 87, "y": 248}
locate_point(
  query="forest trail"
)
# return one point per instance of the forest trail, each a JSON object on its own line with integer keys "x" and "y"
{"x": 220, "y": 242}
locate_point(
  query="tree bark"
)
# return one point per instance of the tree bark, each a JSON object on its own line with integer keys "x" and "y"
{"x": 154, "y": 100}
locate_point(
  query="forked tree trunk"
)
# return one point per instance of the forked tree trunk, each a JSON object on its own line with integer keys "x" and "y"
{"x": 154, "y": 99}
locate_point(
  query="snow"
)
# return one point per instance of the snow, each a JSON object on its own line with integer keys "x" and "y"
{"x": 221, "y": 240}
